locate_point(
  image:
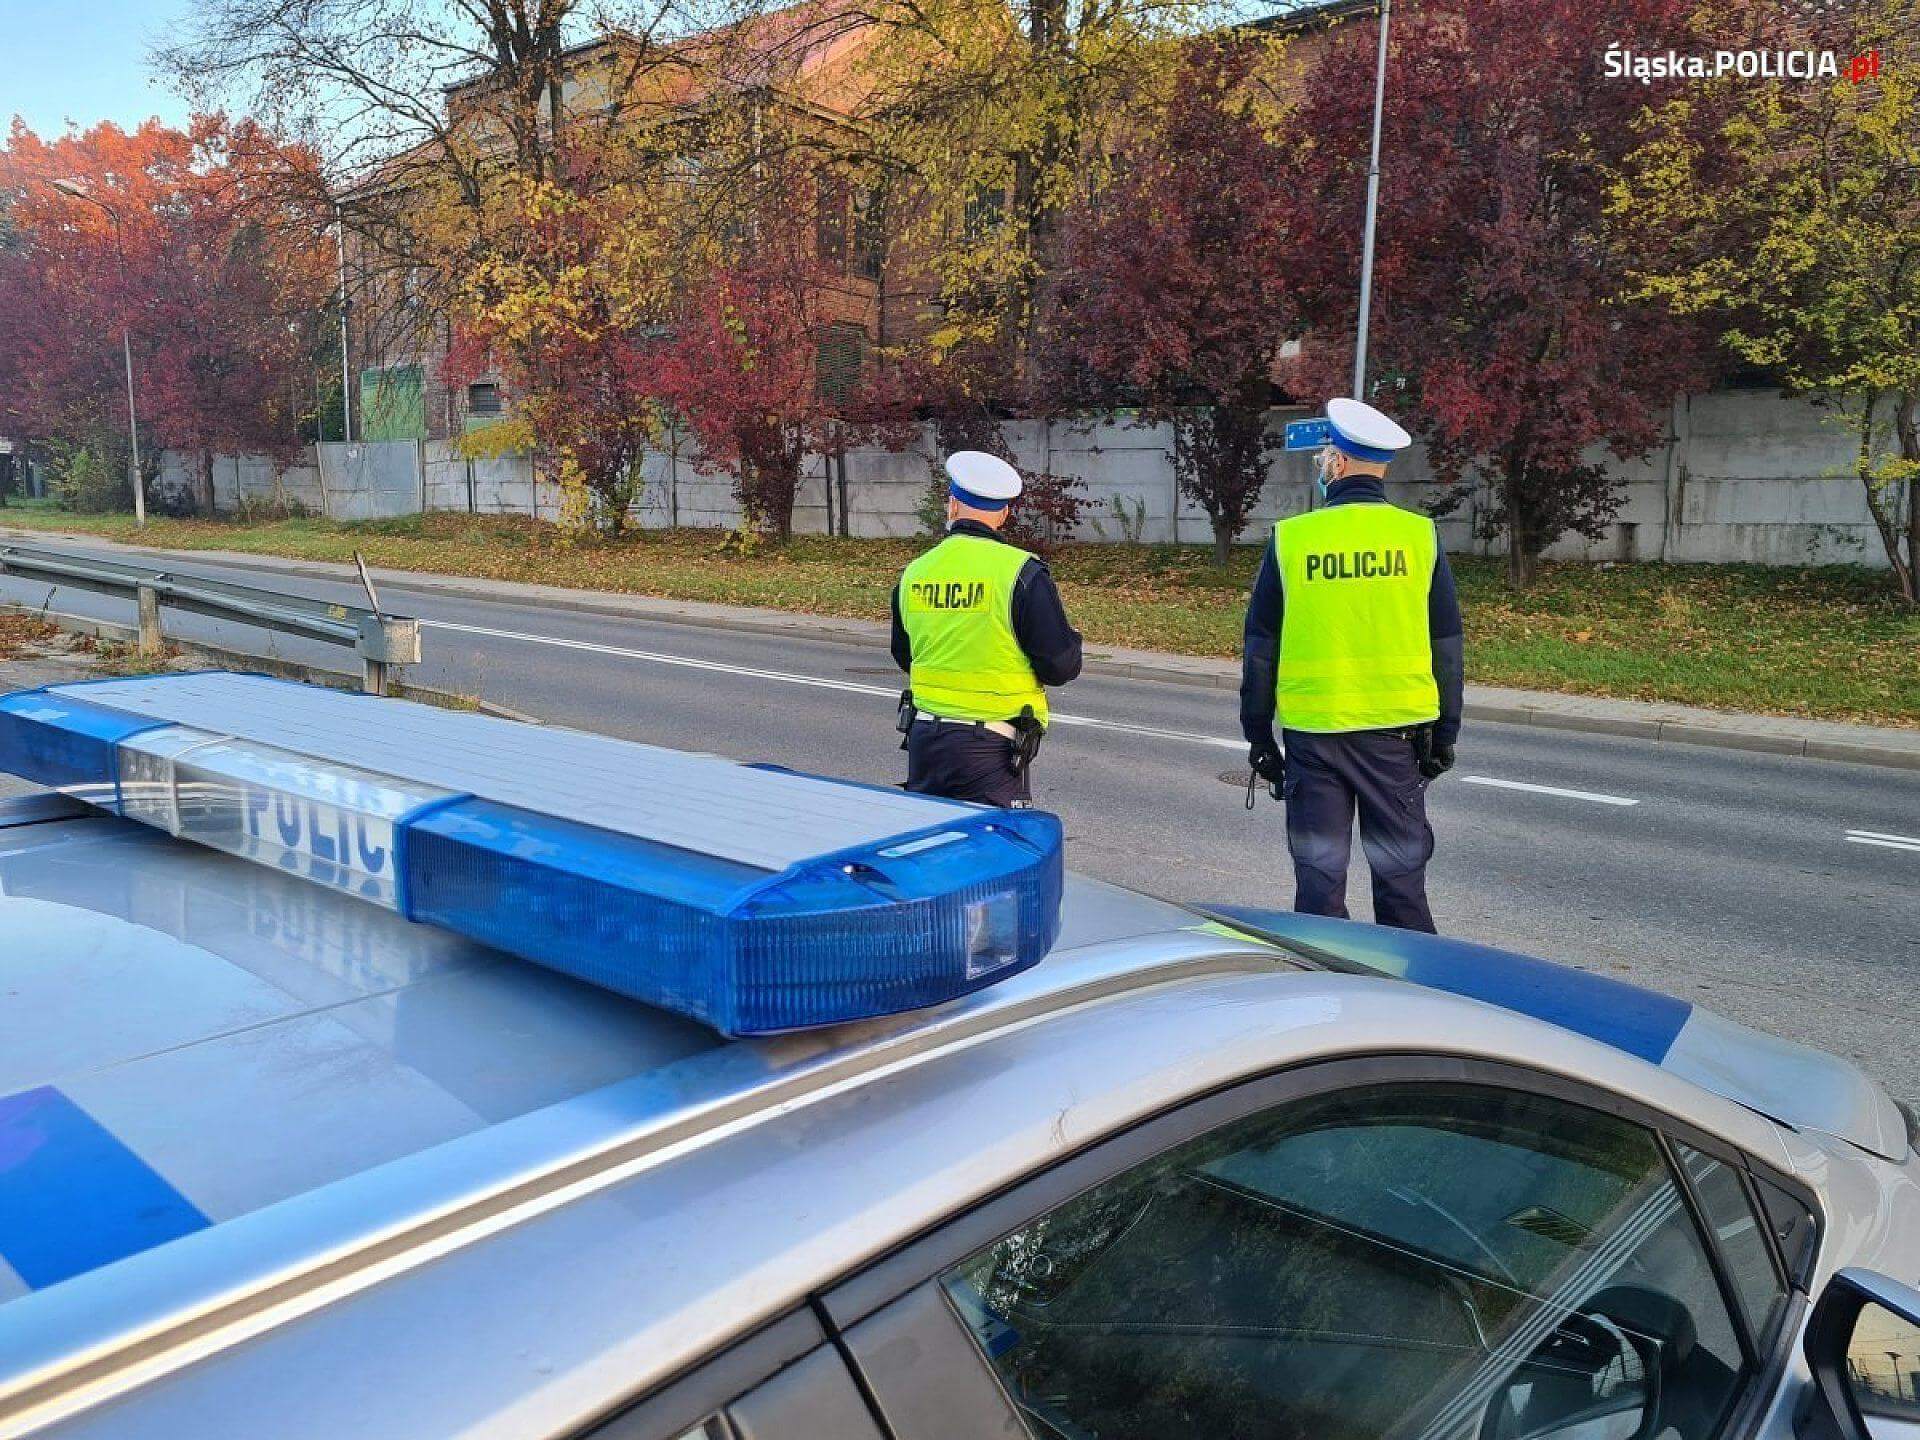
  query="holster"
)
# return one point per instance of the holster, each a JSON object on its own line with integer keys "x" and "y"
{"x": 903, "y": 717}
{"x": 1422, "y": 746}
{"x": 1028, "y": 733}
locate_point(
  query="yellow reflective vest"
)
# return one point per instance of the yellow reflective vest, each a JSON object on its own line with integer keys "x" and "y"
{"x": 956, "y": 604}
{"x": 1355, "y": 650}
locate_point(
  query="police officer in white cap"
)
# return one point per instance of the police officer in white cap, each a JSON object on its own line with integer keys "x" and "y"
{"x": 1353, "y": 648}
{"x": 979, "y": 628}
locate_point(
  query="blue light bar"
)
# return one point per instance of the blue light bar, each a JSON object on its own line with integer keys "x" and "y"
{"x": 753, "y": 900}
{"x": 859, "y": 933}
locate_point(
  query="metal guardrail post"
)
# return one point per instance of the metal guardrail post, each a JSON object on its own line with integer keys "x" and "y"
{"x": 148, "y": 600}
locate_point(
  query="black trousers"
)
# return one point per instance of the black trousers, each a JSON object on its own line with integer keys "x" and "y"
{"x": 962, "y": 762}
{"x": 1373, "y": 771}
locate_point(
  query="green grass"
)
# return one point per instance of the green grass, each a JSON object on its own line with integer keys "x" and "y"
{"x": 1831, "y": 642}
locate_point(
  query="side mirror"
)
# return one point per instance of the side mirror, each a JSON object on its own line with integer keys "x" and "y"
{"x": 1863, "y": 1346}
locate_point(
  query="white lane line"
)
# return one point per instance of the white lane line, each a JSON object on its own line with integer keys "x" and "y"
{"x": 1547, "y": 790}
{"x": 1882, "y": 835}
{"x": 788, "y": 678}
{"x": 1888, "y": 842}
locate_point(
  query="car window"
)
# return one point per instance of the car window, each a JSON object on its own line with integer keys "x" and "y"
{"x": 1731, "y": 1216}
{"x": 1424, "y": 1262}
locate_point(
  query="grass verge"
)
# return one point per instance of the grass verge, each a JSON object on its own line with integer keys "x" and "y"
{"x": 1831, "y": 642}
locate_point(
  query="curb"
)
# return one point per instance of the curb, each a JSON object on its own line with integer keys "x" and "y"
{"x": 1201, "y": 674}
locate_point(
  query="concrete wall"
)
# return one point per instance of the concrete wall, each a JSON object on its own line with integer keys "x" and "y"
{"x": 1743, "y": 475}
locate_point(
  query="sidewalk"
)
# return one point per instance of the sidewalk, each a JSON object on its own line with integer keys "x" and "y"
{"x": 1637, "y": 719}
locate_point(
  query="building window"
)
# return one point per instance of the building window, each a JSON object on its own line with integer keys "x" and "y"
{"x": 830, "y": 222}
{"x": 840, "y": 353}
{"x": 986, "y": 208}
{"x": 483, "y": 398}
{"x": 869, "y": 232}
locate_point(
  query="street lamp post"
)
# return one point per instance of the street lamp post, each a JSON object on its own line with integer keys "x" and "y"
{"x": 1373, "y": 209}
{"x": 80, "y": 192}
{"x": 346, "y": 371}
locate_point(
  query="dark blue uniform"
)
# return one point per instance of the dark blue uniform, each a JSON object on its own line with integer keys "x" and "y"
{"x": 1330, "y": 777}
{"x": 966, "y": 762}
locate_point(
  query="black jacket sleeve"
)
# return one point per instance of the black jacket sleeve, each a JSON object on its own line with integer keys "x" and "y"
{"x": 902, "y": 646}
{"x": 1444, "y": 630}
{"x": 1260, "y": 652}
{"x": 1040, "y": 624}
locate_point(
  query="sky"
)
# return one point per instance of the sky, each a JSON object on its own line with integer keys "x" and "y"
{"x": 84, "y": 60}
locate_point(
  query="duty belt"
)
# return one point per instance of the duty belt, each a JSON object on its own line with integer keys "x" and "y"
{"x": 1002, "y": 728}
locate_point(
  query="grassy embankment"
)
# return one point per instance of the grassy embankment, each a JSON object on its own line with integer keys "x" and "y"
{"x": 1831, "y": 642}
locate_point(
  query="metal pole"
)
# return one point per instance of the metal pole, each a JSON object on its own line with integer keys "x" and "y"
{"x": 1373, "y": 208}
{"x": 80, "y": 192}
{"x": 133, "y": 436}
{"x": 346, "y": 370}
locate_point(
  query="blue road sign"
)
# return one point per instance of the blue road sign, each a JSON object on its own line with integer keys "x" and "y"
{"x": 1309, "y": 434}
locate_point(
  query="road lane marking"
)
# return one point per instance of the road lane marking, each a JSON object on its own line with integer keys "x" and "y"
{"x": 1888, "y": 842}
{"x": 1547, "y": 790}
{"x": 789, "y": 678}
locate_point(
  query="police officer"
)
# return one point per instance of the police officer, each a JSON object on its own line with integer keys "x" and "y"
{"x": 1353, "y": 645}
{"x": 979, "y": 628}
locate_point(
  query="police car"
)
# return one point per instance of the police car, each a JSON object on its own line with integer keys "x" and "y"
{"x": 370, "y": 1070}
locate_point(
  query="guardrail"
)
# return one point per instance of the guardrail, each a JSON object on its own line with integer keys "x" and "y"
{"x": 379, "y": 639}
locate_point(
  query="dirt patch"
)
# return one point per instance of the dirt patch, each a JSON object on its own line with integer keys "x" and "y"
{"x": 25, "y": 636}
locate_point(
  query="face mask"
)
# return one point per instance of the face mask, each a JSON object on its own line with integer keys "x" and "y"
{"x": 1322, "y": 465}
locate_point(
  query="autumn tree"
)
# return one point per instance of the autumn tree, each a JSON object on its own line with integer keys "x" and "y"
{"x": 1789, "y": 212}
{"x": 172, "y": 236}
{"x": 572, "y": 318}
{"x": 1504, "y": 311}
{"x": 743, "y": 364}
{"x": 1174, "y": 297}
{"x": 443, "y": 128}
{"x": 992, "y": 119}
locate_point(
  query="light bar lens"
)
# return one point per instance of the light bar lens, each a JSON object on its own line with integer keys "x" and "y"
{"x": 844, "y": 937}
{"x": 66, "y": 743}
{"x": 328, "y": 824}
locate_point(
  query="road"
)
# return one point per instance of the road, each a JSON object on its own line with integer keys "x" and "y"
{"x": 1782, "y": 892}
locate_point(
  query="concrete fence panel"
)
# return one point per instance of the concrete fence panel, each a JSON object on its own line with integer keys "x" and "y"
{"x": 1740, "y": 476}
{"x": 371, "y": 479}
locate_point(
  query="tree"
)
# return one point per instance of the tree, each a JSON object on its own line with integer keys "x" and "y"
{"x": 442, "y": 127}
{"x": 572, "y": 318}
{"x": 992, "y": 118}
{"x": 181, "y": 244}
{"x": 743, "y": 363}
{"x": 1174, "y": 297}
{"x": 1790, "y": 212}
{"x": 1503, "y": 298}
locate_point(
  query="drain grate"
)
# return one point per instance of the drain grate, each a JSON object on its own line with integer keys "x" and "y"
{"x": 1236, "y": 777}
{"x": 873, "y": 670}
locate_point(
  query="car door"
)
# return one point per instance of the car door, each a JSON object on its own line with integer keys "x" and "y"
{"x": 1406, "y": 1248}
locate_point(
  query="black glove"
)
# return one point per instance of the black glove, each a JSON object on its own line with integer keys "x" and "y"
{"x": 1269, "y": 762}
{"x": 1436, "y": 761}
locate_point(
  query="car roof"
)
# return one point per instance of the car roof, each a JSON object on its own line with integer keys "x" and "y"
{"x": 280, "y": 1086}
{"x": 599, "y": 1243}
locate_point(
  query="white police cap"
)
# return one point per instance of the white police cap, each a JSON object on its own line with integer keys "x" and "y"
{"x": 1364, "y": 433}
{"x": 983, "y": 481}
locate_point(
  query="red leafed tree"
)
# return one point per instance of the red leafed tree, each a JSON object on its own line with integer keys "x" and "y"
{"x": 1500, "y": 281}
{"x": 742, "y": 366}
{"x": 220, "y": 287}
{"x": 1175, "y": 297}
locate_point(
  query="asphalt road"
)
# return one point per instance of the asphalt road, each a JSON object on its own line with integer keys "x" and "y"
{"x": 1777, "y": 891}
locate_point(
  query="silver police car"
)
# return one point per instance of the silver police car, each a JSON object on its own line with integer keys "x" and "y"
{"x": 368, "y": 1071}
